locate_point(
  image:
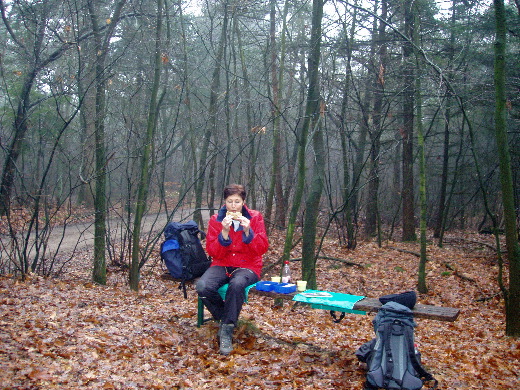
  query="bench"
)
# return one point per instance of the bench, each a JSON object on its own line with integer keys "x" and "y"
{"x": 368, "y": 305}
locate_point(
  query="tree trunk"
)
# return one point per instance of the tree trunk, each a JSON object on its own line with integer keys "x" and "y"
{"x": 281, "y": 199}
{"x": 302, "y": 133}
{"x": 275, "y": 116}
{"x": 506, "y": 181}
{"x": 20, "y": 129}
{"x": 86, "y": 75}
{"x": 146, "y": 165}
{"x": 190, "y": 158}
{"x": 212, "y": 122}
{"x": 276, "y": 199}
{"x": 442, "y": 207}
{"x": 347, "y": 219}
{"x": 311, "y": 120}
{"x": 102, "y": 43}
{"x": 421, "y": 283}
{"x": 253, "y": 149}
{"x": 407, "y": 129}
{"x": 373, "y": 224}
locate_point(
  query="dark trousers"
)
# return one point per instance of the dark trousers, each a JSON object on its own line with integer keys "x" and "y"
{"x": 226, "y": 311}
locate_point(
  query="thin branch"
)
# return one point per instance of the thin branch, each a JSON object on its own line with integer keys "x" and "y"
{"x": 8, "y": 25}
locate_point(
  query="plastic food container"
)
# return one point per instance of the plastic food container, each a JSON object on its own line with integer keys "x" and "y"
{"x": 265, "y": 286}
{"x": 285, "y": 288}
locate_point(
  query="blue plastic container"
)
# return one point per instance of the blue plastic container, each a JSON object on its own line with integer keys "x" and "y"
{"x": 265, "y": 286}
{"x": 285, "y": 288}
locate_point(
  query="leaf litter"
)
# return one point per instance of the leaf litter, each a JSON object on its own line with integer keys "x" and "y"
{"x": 68, "y": 333}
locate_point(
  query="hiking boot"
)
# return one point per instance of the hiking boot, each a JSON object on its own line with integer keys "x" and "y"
{"x": 226, "y": 338}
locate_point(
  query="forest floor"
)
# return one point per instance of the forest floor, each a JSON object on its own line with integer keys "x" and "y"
{"x": 67, "y": 333}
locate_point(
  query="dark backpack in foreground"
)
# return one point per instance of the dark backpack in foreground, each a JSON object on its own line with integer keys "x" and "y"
{"x": 183, "y": 253}
{"x": 392, "y": 360}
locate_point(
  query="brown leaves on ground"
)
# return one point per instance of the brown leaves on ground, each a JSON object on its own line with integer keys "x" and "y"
{"x": 68, "y": 333}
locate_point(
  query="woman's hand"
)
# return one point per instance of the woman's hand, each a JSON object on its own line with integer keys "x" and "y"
{"x": 245, "y": 223}
{"x": 227, "y": 222}
{"x": 226, "y": 225}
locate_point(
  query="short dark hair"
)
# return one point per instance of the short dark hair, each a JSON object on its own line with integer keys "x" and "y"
{"x": 235, "y": 189}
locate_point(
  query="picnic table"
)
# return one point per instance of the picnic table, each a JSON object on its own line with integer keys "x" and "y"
{"x": 362, "y": 306}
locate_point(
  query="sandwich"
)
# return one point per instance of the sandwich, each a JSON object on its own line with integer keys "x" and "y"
{"x": 234, "y": 214}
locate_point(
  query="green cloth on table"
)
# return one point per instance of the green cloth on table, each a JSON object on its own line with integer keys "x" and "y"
{"x": 336, "y": 302}
{"x": 222, "y": 291}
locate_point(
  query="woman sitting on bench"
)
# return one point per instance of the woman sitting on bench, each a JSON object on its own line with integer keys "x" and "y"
{"x": 236, "y": 241}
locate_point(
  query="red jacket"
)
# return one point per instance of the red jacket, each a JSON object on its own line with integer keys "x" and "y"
{"x": 238, "y": 251}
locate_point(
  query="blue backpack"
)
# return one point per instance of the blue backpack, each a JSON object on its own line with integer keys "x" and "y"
{"x": 392, "y": 359}
{"x": 182, "y": 252}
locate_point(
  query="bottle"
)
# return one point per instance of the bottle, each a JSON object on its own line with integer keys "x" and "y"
{"x": 286, "y": 273}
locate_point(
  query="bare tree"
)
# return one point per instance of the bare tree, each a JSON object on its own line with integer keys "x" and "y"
{"x": 146, "y": 160}
{"x": 373, "y": 224}
{"x": 408, "y": 200}
{"x": 212, "y": 122}
{"x": 513, "y": 248}
{"x": 102, "y": 39}
{"x": 421, "y": 282}
{"x": 311, "y": 122}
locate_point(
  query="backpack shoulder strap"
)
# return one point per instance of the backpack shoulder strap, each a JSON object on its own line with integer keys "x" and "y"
{"x": 182, "y": 286}
{"x": 387, "y": 333}
{"x": 184, "y": 237}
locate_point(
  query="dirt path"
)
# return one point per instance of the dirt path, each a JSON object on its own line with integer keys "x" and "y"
{"x": 81, "y": 236}
{"x": 73, "y": 238}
